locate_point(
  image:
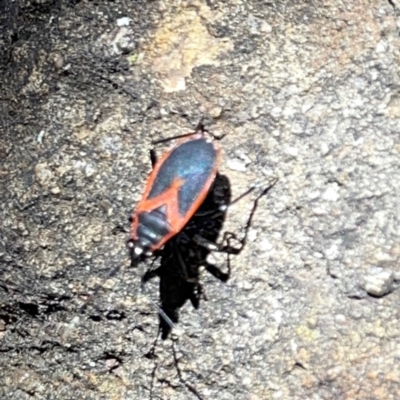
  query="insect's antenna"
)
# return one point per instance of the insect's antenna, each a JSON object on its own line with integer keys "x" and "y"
{"x": 160, "y": 311}
{"x": 255, "y": 206}
{"x": 224, "y": 207}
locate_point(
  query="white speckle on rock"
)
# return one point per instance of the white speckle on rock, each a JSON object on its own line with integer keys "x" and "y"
{"x": 55, "y": 190}
{"x": 215, "y": 111}
{"x": 244, "y": 157}
{"x": 307, "y": 105}
{"x": 246, "y": 381}
{"x": 277, "y": 395}
{"x": 378, "y": 281}
{"x": 297, "y": 128}
{"x": 124, "y": 21}
{"x": 314, "y": 195}
{"x": 319, "y": 211}
{"x": 266, "y": 245}
{"x": 252, "y": 235}
{"x": 277, "y": 316}
{"x": 324, "y": 148}
{"x": 292, "y": 151}
{"x": 340, "y": 318}
{"x": 359, "y": 141}
{"x": 236, "y": 165}
{"x": 89, "y": 170}
{"x": 317, "y": 254}
{"x": 396, "y": 275}
{"x": 381, "y": 47}
{"x": 331, "y": 193}
{"x": 267, "y": 172}
{"x": 276, "y": 133}
{"x": 276, "y": 112}
{"x": 246, "y": 285}
{"x": 334, "y": 372}
{"x": 265, "y": 27}
{"x": 40, "y": 136}
{"x": 122, "y": 42}
{"x": 332, "y": 252}
{"x": 111, "y": 144}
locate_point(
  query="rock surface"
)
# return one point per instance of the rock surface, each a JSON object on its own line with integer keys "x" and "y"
{"x": 306, "y": 91}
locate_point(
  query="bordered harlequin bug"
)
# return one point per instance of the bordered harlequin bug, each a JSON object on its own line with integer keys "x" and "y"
{"x": 176, "y": 188}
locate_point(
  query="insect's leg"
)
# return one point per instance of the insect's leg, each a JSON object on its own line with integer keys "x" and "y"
{"x": 219, "y": 247}
{"x": 201, "y": 128}
{"x": 243, "y": 241}
{"x": 225, "y": 245}
{"x": 207, "y": 244}
{"x": 217, "y": 273}
{"x": 153, "y": 158}
{"x": 200, "y": 124}
{"x": 172, "y": 138}
{"x": 229, "y": 249}
{"x": 223, "y": 208}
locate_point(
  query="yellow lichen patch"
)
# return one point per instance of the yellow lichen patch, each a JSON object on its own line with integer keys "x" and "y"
{"x": 182, "y": 43}
{"x": 306, "y": 333}
{"x": 83, "y": 132}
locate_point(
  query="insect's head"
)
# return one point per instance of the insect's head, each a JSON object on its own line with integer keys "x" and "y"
{"x": 138, "y": 251}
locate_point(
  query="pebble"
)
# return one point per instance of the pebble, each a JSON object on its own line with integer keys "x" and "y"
{"x": 43, "y": 174}
{"x": 124, "y": 21}
{"x": 331, "y": 193}
{"x": 378, "y": 282}
{"x": 236, "y": 165}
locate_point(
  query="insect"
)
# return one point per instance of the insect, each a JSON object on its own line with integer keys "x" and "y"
{"x": 166, "y": 215}
{"x": 177, "y": 186}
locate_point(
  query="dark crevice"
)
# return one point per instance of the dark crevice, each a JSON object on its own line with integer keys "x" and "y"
{"x": 115, "y": 315}
{"x": 29, "y": 308}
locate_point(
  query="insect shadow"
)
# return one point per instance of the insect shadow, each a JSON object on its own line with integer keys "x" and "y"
{"x": 184, "y": 254}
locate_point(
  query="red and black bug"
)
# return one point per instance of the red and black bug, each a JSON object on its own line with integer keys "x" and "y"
{"x": 168, "y": 214}
{"x": 177, "y": 186}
